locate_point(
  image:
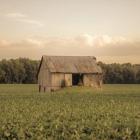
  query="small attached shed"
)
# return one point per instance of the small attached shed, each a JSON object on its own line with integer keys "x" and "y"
{"x": 56, "y": 72}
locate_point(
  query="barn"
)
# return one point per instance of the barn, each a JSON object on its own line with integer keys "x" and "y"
{"x": 56, "y": 72}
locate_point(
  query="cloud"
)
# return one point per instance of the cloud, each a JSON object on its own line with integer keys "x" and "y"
{"x": 106, "y": 48}
{"x": 20, "y": 17}
{"x": 33, "y": 22}
{"x": 4, "y": 43}
{"x": 34, "y": 42}
{"x": 100, "y": 41}
{"x": 16, "y": 15}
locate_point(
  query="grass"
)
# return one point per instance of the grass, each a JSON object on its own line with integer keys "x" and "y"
{"x": 77, "y": 113}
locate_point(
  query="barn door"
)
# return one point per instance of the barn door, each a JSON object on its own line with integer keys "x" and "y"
{"x": 68, "y": 80}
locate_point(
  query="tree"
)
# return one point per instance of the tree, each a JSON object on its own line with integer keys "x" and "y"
{"x": 138, "y": 77}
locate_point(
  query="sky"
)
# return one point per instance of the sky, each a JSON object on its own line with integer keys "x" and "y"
{"x": 106, "y": 29}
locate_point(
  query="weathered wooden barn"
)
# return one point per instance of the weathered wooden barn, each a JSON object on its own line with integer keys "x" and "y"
{"x": 56, "y": 72}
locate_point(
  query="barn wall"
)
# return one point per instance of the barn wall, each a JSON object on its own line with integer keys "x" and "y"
{"x": 44, "y": 77}
{"x": 68, "y": 80}
{"x": 57, "y": 80}
{"x": 92, "y": 80}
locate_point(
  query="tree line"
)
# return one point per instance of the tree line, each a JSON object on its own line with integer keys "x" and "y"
{"x": 23, "y": 70}
{"x": 20, "y": 70}
{"x": 120, "y": 73}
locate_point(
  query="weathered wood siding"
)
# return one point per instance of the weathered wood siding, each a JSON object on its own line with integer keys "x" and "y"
{"x": 92, "y": 80}
{"x": 68, "y": 80}
{"x": 44, "y": 77}
{"x": 57, "y": 80}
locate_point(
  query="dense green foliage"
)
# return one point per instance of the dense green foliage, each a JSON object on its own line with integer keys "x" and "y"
{"x": 120, "y": 73}
{"x": 20, "y": 70}
{"x": 112, "y": 113}
{"x": 24, "y": 70}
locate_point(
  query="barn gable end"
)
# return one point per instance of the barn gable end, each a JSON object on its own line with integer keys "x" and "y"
{"x": 44, "y": 76}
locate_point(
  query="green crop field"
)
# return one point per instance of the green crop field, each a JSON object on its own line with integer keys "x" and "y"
{"x": 78, "y": 113}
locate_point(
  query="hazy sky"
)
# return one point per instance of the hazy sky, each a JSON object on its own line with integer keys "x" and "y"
{"x": 107, "y": 29}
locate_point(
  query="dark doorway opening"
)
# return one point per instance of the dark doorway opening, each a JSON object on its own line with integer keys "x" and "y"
{"x": 77, "y": 79}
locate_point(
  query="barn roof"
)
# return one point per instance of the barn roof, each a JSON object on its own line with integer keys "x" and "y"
{"x": 71, "y": 64}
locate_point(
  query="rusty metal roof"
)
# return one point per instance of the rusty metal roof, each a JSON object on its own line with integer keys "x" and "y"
{"x": 71, "y": 64}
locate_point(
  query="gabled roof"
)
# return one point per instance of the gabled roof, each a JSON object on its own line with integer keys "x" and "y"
{"x": 71, "y": 64}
